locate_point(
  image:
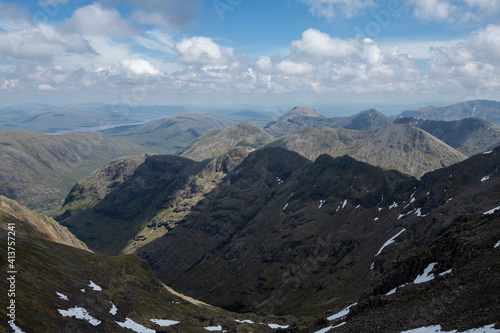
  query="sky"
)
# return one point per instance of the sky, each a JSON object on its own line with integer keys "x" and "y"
{"x": 249, "y": 52}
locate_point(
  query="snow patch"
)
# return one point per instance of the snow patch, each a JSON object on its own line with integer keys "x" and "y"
{"x": 358, "y": 206}
{"x": 164, "y": 322}
{"x": 446, "y": 272}
{"x": 321, "y": 202}
{"x": 213, "y": 328}
{"x": 389, "y": 242}
{"x": 394, "y": 205}
{"x": 130, "y": 324}
{"x": 94, "y": 286}
{"x": 79, "y": 313}
{"x": 412, "y": 200}
{"x": 372, "y": 266}
{"x": 247, "y": 321}
{"x": 376, "y": 219}
{"x": 487, "y": 152}
{"x": 401, "y": 216}
{"x": 491, "y": 211}
{"x": 449, "y": 199}
{"x": 82, "y": 290}
{"x": 419, "y": 212}
{"x": 426, "y": 275}
{"x": 380, "y": 209}
{"x": 114, "y": 309}
{"x": 62, "y": 296}
{"x": 485, "y": 178}
{"x": 497, "y": 245}
{"x": 345, "y": 203}
{"x": 342, "y": 313}
{"x": 16, "y": 329}
{"x": 276, "y": 326}
{"x": 285, "y": 206}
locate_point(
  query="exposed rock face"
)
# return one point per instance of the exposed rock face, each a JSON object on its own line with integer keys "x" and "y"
{"x": 35, "y": 224}
{"x": 400, "y": 147}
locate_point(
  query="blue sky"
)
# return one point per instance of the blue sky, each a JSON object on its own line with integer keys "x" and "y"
{"x": 249, "y": 52}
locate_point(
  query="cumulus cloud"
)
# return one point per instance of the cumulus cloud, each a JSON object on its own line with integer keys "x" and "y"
{"x": 338, "y": 8}
{"x": 319, "y": 45}
{"x": 139, "y": 66}
{"x": 454, "y": 11}
{"x": 470, "y": 64}
{"x": 97, "y": 20}
{"x": 202, "y": 51}
{"x": 41, "y": 43}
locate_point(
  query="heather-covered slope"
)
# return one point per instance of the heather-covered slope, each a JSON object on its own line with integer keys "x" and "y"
{"x": 38, "y": 170}
{"x": 21, "y": 219}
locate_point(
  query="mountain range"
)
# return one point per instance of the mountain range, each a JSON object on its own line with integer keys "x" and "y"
{"x": 487, "y": 110}
{"x": 315, "y": 231}
{"x": 351, "y": 224}
{"x": 469, "y": 136}
{"x": 304, "y": 117}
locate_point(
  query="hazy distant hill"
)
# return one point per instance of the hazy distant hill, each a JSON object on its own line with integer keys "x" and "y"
{"x": 487, "y": 110}
{"x": 469, "y": 136}
{"x": 38, "y": 170}
{"x": 400, "y": 147}
{"x": 364, "y": 121}
{"x": 166, "y": 136}
{"x": 303, "y": 117}
{"x": 215, "y": 142}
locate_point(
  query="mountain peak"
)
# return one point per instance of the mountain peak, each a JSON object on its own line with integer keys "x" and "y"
{"x": 304, "y": 111}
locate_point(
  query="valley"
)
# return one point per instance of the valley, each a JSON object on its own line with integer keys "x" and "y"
{"x": 305, "y": 223}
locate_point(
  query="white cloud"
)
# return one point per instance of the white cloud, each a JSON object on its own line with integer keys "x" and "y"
{"x": 319, "y": 45}
{"x": 96, "y": 20}
{"x": 294, "y": 68}
{"x": 334, "y": 8}
{"x": 264, "y": 64}
{"x": 202, "y": 51}
{"x": 434, "y": 10}
{"x": 41, "y": 42}
{"x": 139, "y": 66}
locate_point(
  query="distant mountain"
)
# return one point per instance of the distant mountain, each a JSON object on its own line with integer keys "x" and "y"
{"x": 400, "y": 147}
{"x": 38, "y": 170}
{"x": 487, "y": 110}
{"x": 303, "y": 117}
{"x": 215, "y": 142}
{"x": 166, "y": 136}
{"x": 364, "y": 121}
{"x": 60, "y": 288}
{"x": 259, "y": 118}
{"x": 469, "y": 136}
{"x": 319, "y": 233}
